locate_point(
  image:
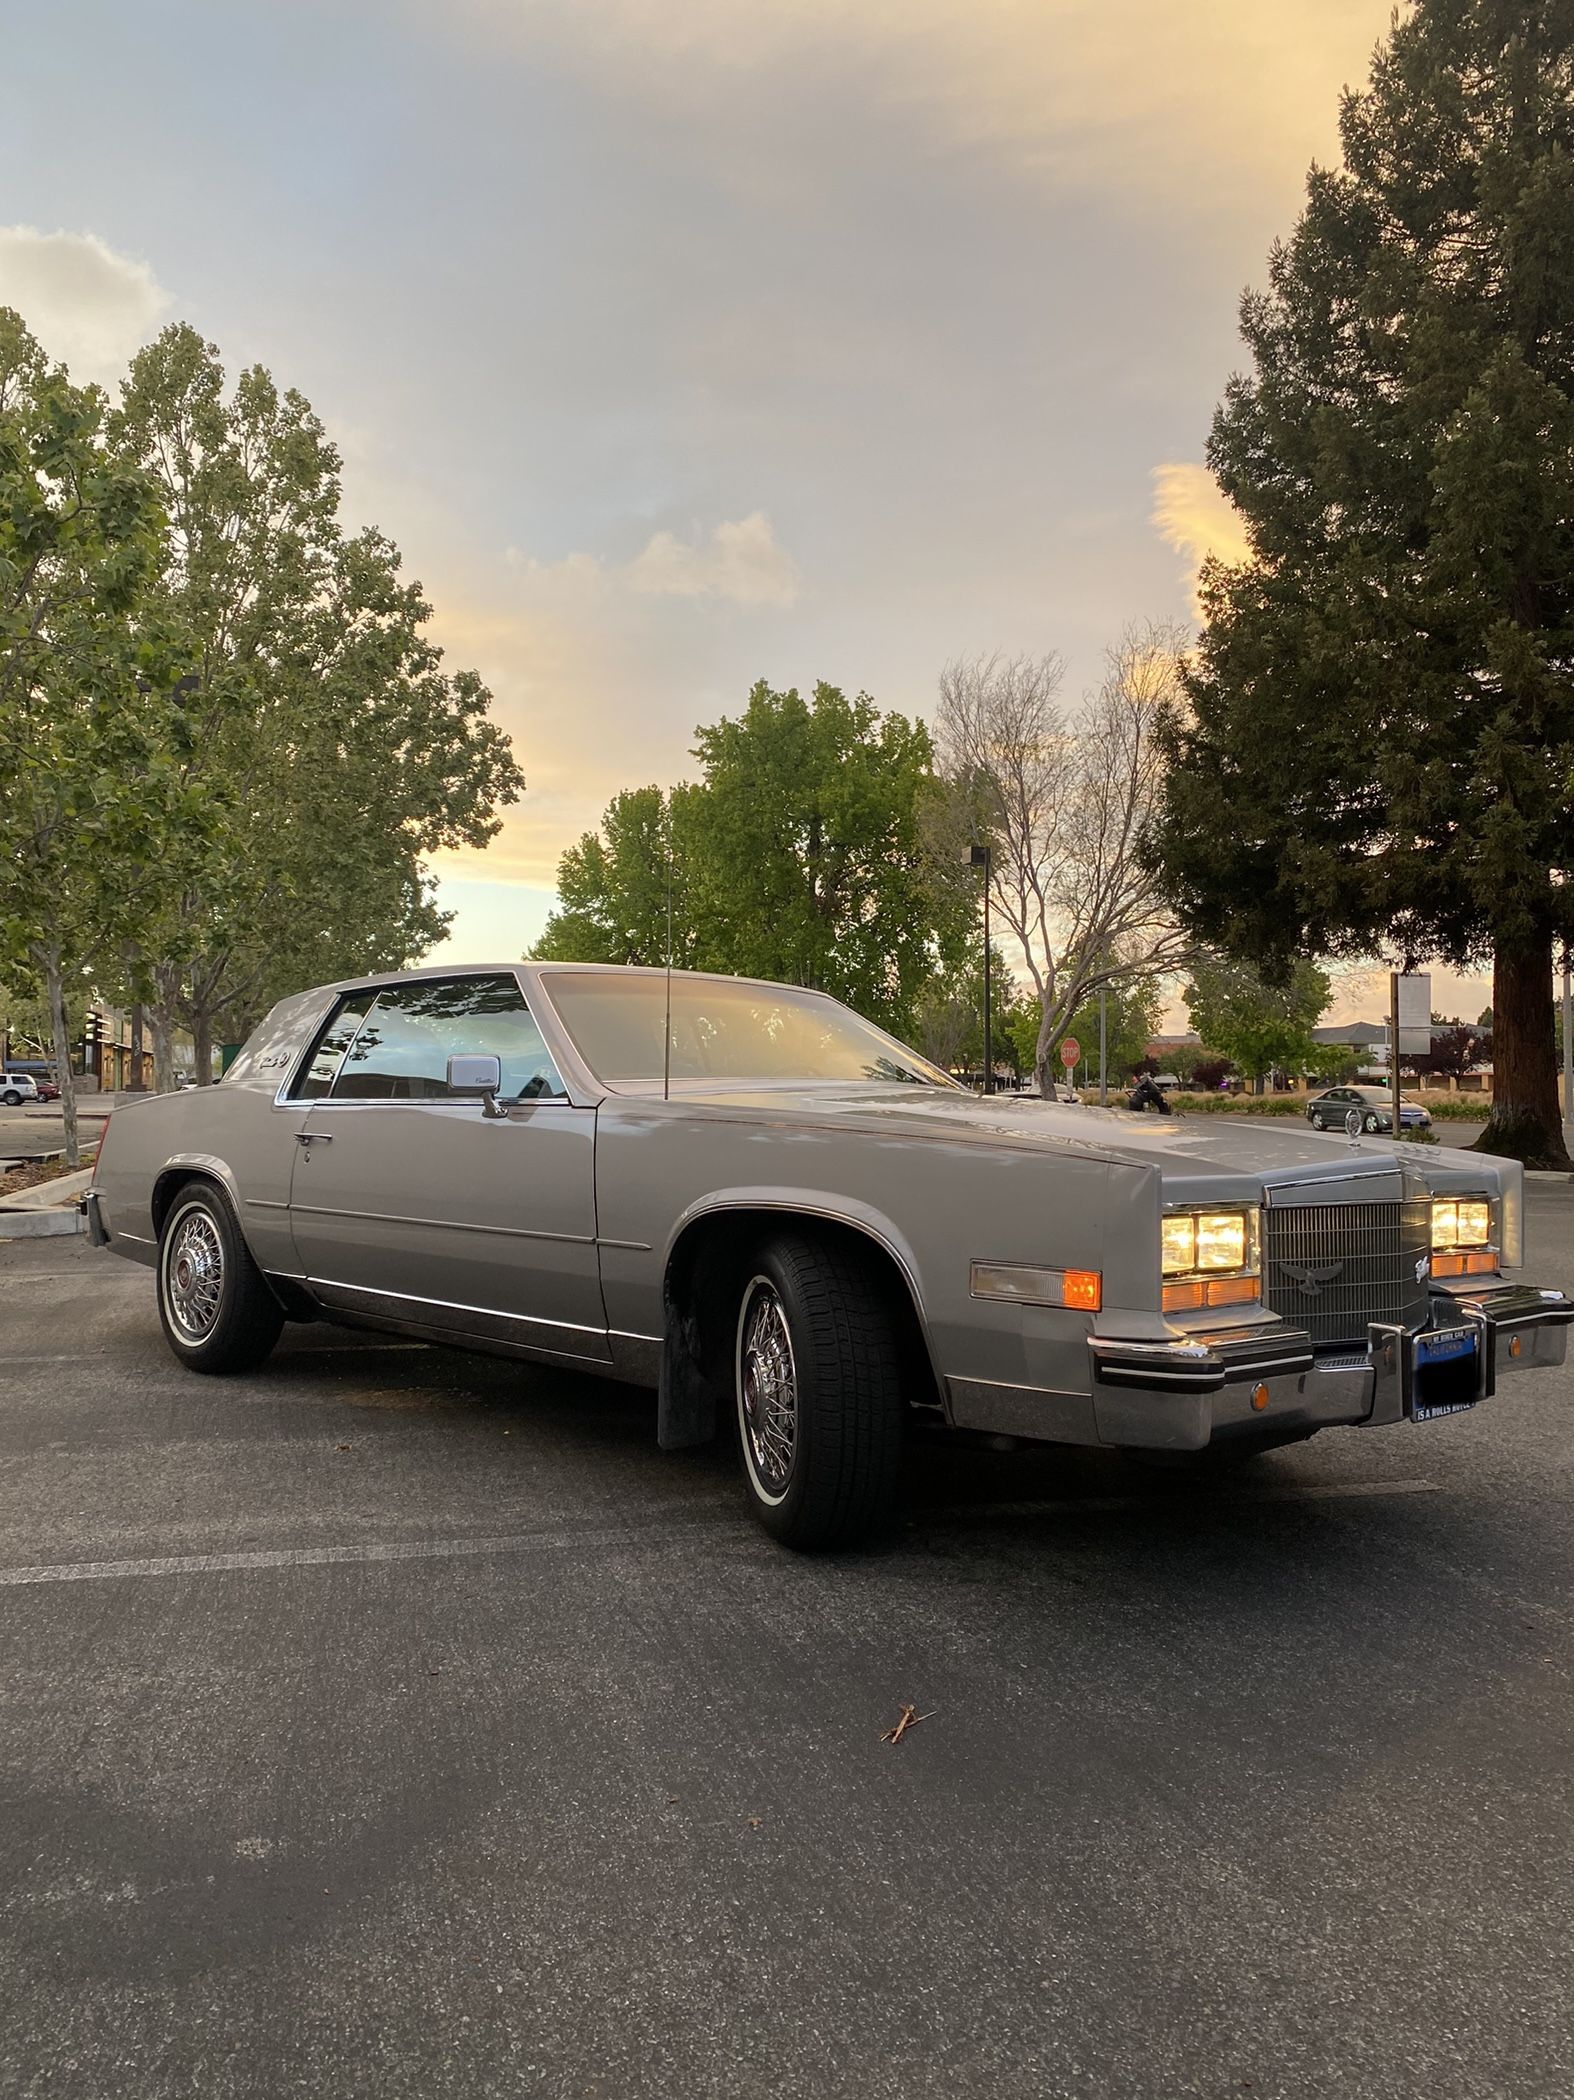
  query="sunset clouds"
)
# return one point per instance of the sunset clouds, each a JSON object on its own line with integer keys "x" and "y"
{"x": 680, "y": 343}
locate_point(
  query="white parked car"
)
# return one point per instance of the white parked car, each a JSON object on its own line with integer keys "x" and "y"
{"x": 17, "y": 1087}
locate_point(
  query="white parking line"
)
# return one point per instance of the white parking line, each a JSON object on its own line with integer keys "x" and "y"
{"x": 324, "y": 1556}
{"x": 652, "y": 1524}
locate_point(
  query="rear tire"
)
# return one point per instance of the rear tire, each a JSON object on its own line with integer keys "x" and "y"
{"x": 217, "y": 1311}
{"x": 817, "y": 1390}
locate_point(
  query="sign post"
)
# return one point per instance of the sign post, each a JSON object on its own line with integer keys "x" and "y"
{"x": 1409, "y": 1026}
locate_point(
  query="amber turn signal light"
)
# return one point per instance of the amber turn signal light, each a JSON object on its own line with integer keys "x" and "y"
{"x": 1478, "y": 1264}
{"x": 1081, "y": 1289}
{"x": 1201, "y": 1295}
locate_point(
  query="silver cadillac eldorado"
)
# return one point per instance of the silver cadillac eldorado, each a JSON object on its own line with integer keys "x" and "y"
{"x": 744, "y": 1195}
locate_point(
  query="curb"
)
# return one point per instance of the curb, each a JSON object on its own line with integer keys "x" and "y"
{"x": 41, "y": 1224}
{"x": 65, "y": 1188}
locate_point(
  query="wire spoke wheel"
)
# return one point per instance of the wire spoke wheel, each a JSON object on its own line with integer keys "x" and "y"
{"x": 767, "y": 1389}
{"x": 194, "y": 1275}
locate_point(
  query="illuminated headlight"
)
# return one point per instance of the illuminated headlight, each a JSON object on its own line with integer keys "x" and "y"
{"x": 1208, "y": 1243}
{"x": 1461, "y": 1221}
{"x": 1215, "y": 1252}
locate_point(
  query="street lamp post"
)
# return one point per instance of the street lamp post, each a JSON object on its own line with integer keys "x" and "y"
{"x": 1103, "y": 1045}
{"x": 980, "y": 858}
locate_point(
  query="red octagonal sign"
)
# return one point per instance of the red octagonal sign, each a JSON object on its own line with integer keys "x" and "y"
{"x": 1070, "y": 1052}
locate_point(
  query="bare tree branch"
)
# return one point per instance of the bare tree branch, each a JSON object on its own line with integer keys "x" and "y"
{"x": 1064, "y": 800}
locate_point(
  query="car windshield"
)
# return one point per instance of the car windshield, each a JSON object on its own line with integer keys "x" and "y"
{"x": 726, "y": 1029}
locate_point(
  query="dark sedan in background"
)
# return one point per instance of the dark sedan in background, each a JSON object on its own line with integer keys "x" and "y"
{"x": 1375, "y": 1104}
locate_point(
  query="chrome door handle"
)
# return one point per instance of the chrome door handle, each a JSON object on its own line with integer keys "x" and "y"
{"x": 314, "y": 1137}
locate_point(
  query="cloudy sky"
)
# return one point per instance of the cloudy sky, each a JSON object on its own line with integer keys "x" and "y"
{"x": 680, "y": 343}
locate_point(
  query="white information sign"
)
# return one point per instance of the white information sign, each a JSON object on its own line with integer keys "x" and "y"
{"x": 1413, "y": 1004}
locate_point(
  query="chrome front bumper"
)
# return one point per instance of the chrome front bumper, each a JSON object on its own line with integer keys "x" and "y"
{"x": 1184, "y": 1395}
{"x": 91, "y": 1205}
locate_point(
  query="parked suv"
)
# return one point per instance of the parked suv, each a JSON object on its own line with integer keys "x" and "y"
{"x": 17, "y": 1087}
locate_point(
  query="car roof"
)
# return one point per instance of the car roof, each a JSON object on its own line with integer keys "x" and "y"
{"x": 656, "y": 971}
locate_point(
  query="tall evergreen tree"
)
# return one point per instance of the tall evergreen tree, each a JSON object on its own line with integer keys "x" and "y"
{"x": 1381, "y": 740}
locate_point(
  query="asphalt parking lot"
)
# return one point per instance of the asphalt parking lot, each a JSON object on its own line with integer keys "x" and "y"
{"x": 400, "y": 1722}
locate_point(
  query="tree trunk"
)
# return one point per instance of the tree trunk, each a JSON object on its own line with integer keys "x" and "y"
{"x": 134, "y": 1076}
{"x": 202, "y": 1046}
{"x": 1041, "y": 1060}
{"x": 55, "y": 987}
{"x": 1525, "y": 1123}
{"x": 162, "y": 1029}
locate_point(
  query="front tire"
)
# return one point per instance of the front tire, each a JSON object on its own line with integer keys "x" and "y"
{"x": 1371, "y": 1125}
{"x": 1318, "y": 1123}
{"x": 217, "y": 1311}
{"x": 818, "y": 1394}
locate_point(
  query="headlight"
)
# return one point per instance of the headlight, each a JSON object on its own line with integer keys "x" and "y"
{"x": 1208, "y": 1242}
{"x": 1461, "y": 1221}
{"x": 1215, "y": 1251}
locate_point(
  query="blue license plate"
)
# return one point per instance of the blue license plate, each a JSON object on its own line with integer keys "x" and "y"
{"x": 1446, "y": 1380}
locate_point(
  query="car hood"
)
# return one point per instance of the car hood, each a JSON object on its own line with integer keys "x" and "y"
{"x": 1183, "y": 1147}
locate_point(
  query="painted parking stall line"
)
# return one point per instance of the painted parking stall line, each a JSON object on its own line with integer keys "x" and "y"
{"x": 652, "y": 1527}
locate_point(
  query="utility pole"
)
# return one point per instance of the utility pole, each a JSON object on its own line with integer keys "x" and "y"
{"x": 1568, "y": 1032}
{"x": 980, "y": 858}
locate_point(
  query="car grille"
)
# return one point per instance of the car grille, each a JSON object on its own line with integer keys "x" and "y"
{"x": 1331, "y": 1268}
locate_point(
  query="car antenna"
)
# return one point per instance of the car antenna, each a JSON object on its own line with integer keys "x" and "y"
{"x": 666, "y": 1034}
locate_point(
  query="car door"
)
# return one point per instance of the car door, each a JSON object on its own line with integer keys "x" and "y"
{"x": 409, "y": 1203}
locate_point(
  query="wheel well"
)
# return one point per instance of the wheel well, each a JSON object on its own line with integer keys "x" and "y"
{"x": 169, "y": 1185}
{"x": 704, "y": 1275}
{"x": 293, "y": 1300}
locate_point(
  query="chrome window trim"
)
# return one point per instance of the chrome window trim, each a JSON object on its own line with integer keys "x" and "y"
{"x": 295, "y": 1070}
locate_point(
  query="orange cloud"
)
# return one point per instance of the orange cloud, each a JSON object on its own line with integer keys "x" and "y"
{"x": 1192, "y": 514}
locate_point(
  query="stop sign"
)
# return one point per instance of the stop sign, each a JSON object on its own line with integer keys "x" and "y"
{"x": 1070, "y": 1052}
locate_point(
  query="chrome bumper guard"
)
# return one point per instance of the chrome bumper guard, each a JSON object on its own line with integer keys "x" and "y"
{"x": 1183, "y": 1395}
{"x": 91, "y": 1205}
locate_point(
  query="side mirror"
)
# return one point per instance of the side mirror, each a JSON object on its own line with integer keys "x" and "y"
{"x": 478, "y": 1075}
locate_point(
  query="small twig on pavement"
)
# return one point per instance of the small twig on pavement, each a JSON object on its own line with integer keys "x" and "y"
{"x": 910, "y": 1719}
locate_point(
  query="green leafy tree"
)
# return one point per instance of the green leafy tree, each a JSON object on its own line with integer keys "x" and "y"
{"x": 1259, "y": 1025}
{"x": 626, "y": 889}
{"x": 813, "y": 868}
{"x": 799, "y": 855}
{"x": 320, "y": 726}
{"x": 85, "y": 712}
{"x": 1379, "y": 743}
{"x": 948, "y": 1020}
